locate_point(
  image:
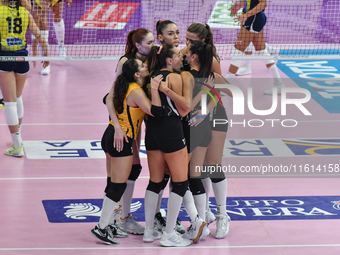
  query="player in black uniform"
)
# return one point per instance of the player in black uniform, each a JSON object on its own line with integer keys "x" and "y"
{"x": 166, "y": 145}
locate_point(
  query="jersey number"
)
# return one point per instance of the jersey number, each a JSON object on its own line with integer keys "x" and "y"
{"x": 17, "y": 28}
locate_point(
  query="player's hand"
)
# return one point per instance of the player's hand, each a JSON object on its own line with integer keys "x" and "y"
{"x": 241, "y": 19}
{"x": 234, "y": 9}
{"x": 156, "y": 81}
{"x": 118, "y": 139}
{"x": 44, "y": 63}
{"x": 69, "y": 3}
{"x": 164, "y": 86}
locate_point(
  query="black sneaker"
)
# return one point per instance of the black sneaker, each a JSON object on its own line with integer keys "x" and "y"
{"x": 179, "y": 228}
{"x": 159, "y": 222}
{"x": 104, "y": 235}
{"x": 2, "y": 103}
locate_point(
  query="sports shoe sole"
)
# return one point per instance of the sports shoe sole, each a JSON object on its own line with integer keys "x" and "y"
{"x": 197, "y": 238}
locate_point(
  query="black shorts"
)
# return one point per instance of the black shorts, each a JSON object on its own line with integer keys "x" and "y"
{"x": 256, "y": 22}
{"x": 219, "y": 113}
{"x": 107, "y": 144}
{"x": 164, "y": 134}
{"x": 200, "y": 136}
{"x": 19, "y": 67}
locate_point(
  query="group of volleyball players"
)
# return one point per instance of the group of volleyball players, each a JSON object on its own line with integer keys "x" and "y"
{"x": 169, "y": 125}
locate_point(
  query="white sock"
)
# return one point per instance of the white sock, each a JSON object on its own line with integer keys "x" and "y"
{"x": 189, "y": 204}
{"x": 1, "y": 96}
{"x": 127, "y": 198}
{"x": 107, "y": 211}
{"x": 220, "y": 191}
{"x": 16, "y": 139}
{"x": 200, "y": 202}
{"x": 150, "y": 206}
{"x": 59, "y": 28}
{"x": 174, "y": 205}
{"x": 20, "y": 111}
{"x": 45, "y": 34}
{"x": 159, "y": 201}
{"x": 275, "y": 73}
{"x": 207, "y": 186}
{"x": 246, "y": 63}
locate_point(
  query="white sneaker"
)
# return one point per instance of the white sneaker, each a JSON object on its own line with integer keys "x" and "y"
{"x": 277, "y": 87}
{"x": 244, "y": 70}
{"x": 46, "y": 71}
{"x": 206, "y": 231}
{"x": 61, "y": 51}
{"x": 209, "y": 216}
{"x": 197, "y": 227}
{"x": 151, "y": 235}
{"x": 173, "y": 239}
{"x": 130, "y": 225}
{"x": 222, "y": 226}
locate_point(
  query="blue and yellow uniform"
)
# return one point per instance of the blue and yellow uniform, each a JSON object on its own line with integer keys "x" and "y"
{"x": 256, "y": 22}
{"x": 54, "y": 2}
{"x": 13, "y": 27}
{"x": 130, "y": 120}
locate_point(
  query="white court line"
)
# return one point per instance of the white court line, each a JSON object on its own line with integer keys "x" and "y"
{"x": 60, "y": 178}
{"x": 188, "y": 247}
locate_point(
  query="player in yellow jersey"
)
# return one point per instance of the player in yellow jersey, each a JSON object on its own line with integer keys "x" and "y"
{"x": 14, "y": 21}
{"x": 27, "y": 5}
{"x": 40, "y": 8}
{"x": 131, "y": 104}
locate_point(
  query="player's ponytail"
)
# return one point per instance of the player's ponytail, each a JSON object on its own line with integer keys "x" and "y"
{"x": 135, "y": 36}
{"x": 130, "y": 67}
{"x": 158, "y": 56}
{"x": 204, "y": 52}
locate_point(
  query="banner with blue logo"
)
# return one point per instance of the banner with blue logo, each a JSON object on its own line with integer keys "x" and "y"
{"x": 238, "y": 208}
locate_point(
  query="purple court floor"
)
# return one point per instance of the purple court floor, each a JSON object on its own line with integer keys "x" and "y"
{"x": 284, "y": 213}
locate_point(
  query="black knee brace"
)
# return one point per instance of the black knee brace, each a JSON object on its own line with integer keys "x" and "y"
{"x": 196, "y": 186}
{"x": 108, "y": 182}
{"x": 155, "y": 187}
{"x": 216, "y": 180}
{"x": 135, "y": 172}
{"x": 180, "y": 188}
{"x": 216, "y": 173}
{"x": 165, "y": 181}
{"x": 116, "y": 191}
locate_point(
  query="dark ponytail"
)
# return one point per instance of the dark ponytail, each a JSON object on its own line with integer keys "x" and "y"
{"x": 203, "y": 31}
{"x": 157, "y": 58}
{"x": 204, "y": 52}
{"x": 130, "y": 67}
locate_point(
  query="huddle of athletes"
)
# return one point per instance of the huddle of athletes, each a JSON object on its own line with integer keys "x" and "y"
{"x": 151, "y": 84}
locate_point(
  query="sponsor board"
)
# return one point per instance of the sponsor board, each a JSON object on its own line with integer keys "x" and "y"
{"x": 320, "y": 77}
{"x": 233, "y": 148}
{"x": 107, "y": 15}
{"x": 238, "y": 208}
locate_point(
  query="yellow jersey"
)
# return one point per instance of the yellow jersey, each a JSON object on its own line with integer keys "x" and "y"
{"x": 131, "y": 118}
{"x": 53, "y": 3}
{"x": 13, "y": 28}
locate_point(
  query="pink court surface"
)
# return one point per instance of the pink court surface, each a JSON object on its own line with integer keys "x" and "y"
{"x": 292, "y": 212}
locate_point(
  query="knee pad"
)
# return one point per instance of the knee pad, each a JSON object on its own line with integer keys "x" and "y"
{"x": 116, "y": 191}
{"x": 180, "y": 188}
{"x": 108, "y": 182}
{"x": 165, "y": 181}
{"x": 135, "y": 172}
{"x": 155, "y": 187}
{"x": 218, "y": 175}
{"x": 11, "y": 113}
{"x": 20, "y": 107}
{"x": 238, "y": 53}
{"x": 265, "y": 53}
{"x": 196, "y": 186}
